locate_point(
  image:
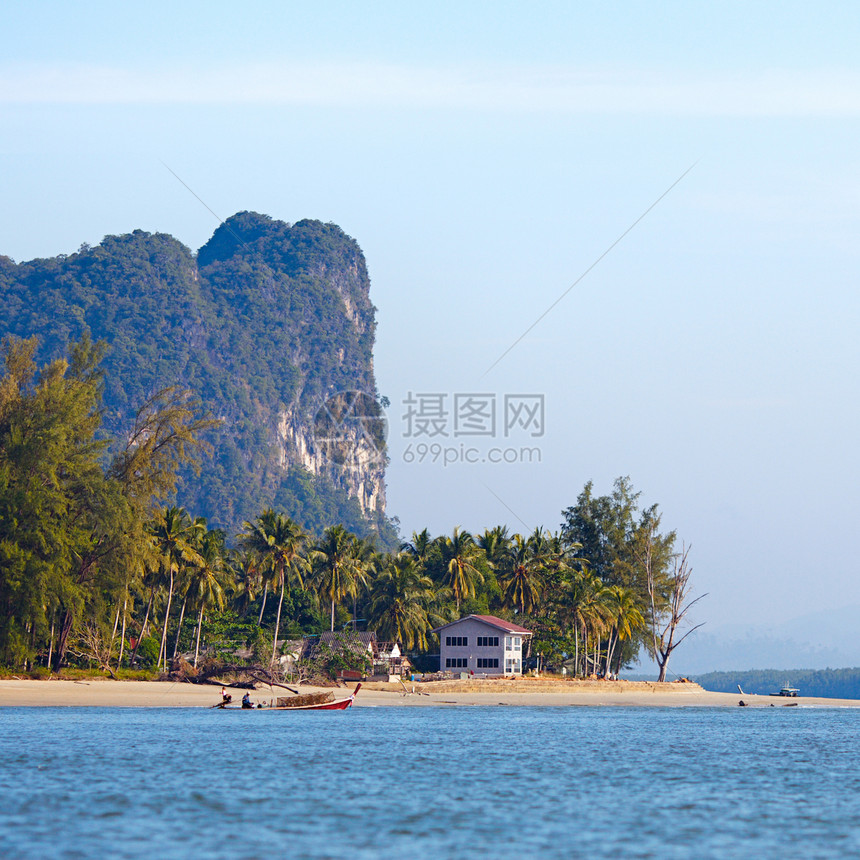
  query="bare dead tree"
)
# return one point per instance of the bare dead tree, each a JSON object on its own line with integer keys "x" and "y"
{"x": 666, "y": 618}
{"x": 89, "y": 644}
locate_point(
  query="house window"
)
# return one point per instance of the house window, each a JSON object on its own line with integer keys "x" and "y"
{"x": 456, "y": 662}
{"x": 507, "y": 643}
{"x": 457, "y": 641}
{"x": 517, "y": 642}
{"x": 488, "y": 662}
{"x": 488, "y": 641}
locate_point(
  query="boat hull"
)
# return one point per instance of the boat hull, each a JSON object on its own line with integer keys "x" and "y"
{"x": 337, "y": 705}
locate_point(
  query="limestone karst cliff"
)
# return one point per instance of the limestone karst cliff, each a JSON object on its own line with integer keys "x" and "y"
{"x": 270, "y": 324}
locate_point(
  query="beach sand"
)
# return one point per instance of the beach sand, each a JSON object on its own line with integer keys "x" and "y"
{"x": 164, "y": 694}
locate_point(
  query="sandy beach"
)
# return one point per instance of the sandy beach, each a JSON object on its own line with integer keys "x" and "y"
{"x": 163, "y": 694}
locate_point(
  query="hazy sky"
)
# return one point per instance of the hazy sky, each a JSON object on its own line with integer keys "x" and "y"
{"x": 484, "y": 155}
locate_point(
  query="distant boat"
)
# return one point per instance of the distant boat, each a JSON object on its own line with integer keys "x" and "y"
{"x": 788, "y": 691}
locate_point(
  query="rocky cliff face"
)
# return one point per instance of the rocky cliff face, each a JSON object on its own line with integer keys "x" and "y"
{"x": 348, "y": 459}
{"x": 271, "y": 324}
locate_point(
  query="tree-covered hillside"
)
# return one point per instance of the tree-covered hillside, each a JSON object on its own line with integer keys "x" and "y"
{"x": 825, "y": 683}
{"x": 263, "y": 324}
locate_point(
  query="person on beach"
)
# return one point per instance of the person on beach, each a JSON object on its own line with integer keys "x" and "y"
{"x": 226, "y": 698}
{"x": 246, "y": 701}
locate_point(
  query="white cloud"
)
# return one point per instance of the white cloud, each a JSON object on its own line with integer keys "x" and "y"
{"x": 493, "y": 88}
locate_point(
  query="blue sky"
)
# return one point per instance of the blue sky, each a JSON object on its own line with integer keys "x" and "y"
{"x": 484, "y": 155}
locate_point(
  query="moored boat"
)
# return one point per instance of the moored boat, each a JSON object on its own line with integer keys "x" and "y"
{"x": 309, "y": 702}
{"x": 787, "y": 691}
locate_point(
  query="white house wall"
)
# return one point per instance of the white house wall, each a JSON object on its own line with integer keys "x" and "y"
{"x": 471, "y": 629}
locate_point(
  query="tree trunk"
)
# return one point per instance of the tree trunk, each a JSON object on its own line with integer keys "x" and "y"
{"x": 179, "y": 631}
{"x": 143, "y": 626}
{"x": 584, "y": 650}
{"x": 122, "y": 635}
{"x": 163, "y": 650}
{"x": 610, "y": 648}
{"x": 278, "y": 625}
{"x": 199, "y": 628}
{"x": 65, "y": 629}
{"x": 51, "y": 643}
{"x": 332, "y": 616}
{"x": 263, "y": 607}
{"x": 115, "y": 627}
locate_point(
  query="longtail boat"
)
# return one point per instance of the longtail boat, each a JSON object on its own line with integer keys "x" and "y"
{"x": 308, "y": 702}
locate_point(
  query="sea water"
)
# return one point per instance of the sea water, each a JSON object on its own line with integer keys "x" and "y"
{"x": 466, "y": 782}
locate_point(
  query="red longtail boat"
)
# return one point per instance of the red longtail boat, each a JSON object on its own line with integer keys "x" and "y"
{"x": 311, "y": 702}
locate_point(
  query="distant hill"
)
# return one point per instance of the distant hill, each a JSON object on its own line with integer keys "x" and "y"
{"x": 827, "y": 683}
{"x": 267, "y": 323}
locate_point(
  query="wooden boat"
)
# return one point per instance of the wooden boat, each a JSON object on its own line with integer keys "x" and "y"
{"x": 311, "y": 702}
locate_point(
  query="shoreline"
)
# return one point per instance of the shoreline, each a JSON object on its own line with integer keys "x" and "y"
{"x": 98, "y": 692}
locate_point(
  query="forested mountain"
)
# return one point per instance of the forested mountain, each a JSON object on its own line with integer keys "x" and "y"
{"x": 266, "y": 324}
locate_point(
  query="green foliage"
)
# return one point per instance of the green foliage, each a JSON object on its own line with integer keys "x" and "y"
{"x": 260, "y": 645}
{"x": 612, "y": 534}
{"x": 147, "y": 652}
{"x": 341, "y": 657}
{"x": 63, "y": 524}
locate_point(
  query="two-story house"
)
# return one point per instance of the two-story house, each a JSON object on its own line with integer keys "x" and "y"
{"x": 482, "y": 644}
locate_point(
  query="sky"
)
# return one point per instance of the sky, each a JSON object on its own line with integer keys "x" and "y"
{"x": 676, "y": 185}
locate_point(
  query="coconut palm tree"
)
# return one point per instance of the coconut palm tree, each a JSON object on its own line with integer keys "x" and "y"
{"x": 278, "y": 544}
{"x": 340, "y": 571}
{"x": 626, "y": 617}
{"x": 245, "y": 581}
{"x": 587, "y": 610}
{"x": 173, "y": 532}
{"x": 197, "y": 536}
{"x": 419, "y": 546}
{"x": 522, "y": 575}
{"x": 495, "y": 543}
{"x": 399, "y": 599}
{"x": 459, "y": 552}
{"x": 205, "y": 588}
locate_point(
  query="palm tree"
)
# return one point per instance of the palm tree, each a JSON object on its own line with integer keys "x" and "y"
{"x": 205, "y": 586}
{"x": 522, "y": 580}
{"x": 197, "y": 536}
{"x": 245, "y": 581}
{"x": 495, "y": 543}
{"x": 340, "y": 570}
{"x": 587, "y": 610}
{"x": 278, "y": 543}
{"x": 173, "y": 531}
{"x": 627, "y": 618}
{"x": 399, "y": 599}
{"x": 419, "y": 546}
{"x": 148, "y": 574}
{"x": 459, "y": 554}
